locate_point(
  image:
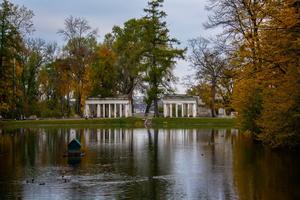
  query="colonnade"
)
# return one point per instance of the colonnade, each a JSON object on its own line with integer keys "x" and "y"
{"x": 187, "y": 109}
{"x": 107, "y": 110}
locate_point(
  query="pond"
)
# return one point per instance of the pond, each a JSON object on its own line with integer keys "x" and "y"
{"x": 143, "y": 164}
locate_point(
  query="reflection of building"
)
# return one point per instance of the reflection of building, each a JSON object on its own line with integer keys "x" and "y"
{"x": 108, "y": 107}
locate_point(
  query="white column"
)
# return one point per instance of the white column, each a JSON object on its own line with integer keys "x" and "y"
{"x": 104, "y": 110}
{"x": 87, "y": 110}
{"x": 165, "y": 110}
{"x": 121, "y": 111}
{"x": 188, "y": 110}
{"x": 182, "y": 113}
{"x": 130, "y": 110}
{"x": 126, "y": 112}
{"x": 98, "y": 110}
{"x": 115, "y": 110}
{"x": 109, "y": 110}
{"x": 194, "y": 110}
{"x": 176, "y": 108}
{"x": 171, "y": 110}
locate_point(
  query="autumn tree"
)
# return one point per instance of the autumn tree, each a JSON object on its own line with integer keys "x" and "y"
{"x": 242, "y": 22}
{"x": 80, "y": 48}
{"x": 160, "y": 54}
{"x": 264, "y": 38}
{"x": 279, "y": 121}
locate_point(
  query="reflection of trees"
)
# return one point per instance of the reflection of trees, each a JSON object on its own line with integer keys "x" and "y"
{"x": 146, "y": 155}
{"x": 260, "y": 173}
{"x": 153, "y": 164}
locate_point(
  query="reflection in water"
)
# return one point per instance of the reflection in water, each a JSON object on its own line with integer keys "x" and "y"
{"x": 143, "y": 164}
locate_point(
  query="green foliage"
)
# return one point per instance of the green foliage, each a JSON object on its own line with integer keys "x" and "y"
{"x": 248, "y": 103}
{"x": 129, "y": 47}
{"x": 15, "y": 22}
{"x": 104, "y": 72}
{"x": 160, "y": 55}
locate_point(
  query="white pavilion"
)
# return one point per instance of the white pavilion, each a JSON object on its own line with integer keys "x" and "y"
{"x": 108, "y": 107}
{"x": 180, "y": 105}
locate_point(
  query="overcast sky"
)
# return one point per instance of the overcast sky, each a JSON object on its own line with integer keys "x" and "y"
{"x": 185, "y": 19}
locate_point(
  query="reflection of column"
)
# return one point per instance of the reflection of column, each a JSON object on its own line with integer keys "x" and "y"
{"x": 120, "y": 105}
{"x": 104, "y": 110}
{"x": 188, "y": 110}
{"x": 165, "y": 110}
{"x": 109, "y": 111}
{"x": 182, "y": 113}
{"x": 115, "y": 110}
{"x": 98, "y": 110}
{"x": 171, "y": 110}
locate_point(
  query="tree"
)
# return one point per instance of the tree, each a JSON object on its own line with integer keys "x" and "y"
{"x": 80, "y": 48}
{"x": 15, "y": 23}
{"x": 104, "y": 74}
{"x": 35, "y": 54}
{"x": 159, "y": 54}
{"x": 265, "y": 40}
{"x": 209, "y": 66}
{"x": 129, "y": 47}
{"x": 243, "y": 22}
{"x": 279, "y": 121}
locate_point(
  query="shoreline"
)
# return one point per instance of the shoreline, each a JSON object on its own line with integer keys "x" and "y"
{"x": 131, "y": 122}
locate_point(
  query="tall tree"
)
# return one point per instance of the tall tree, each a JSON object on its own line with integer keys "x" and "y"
{"x": 15, "y": 23}
{"x": 209, "y": 66}
{"x": 129, "y": 47}
{"x": 160, "y": 55}
{"x": 279, "y": 121}
{"x": 35, "y": 54}
{"x": 80, "y": 47}
{"x": 242, "y": 22}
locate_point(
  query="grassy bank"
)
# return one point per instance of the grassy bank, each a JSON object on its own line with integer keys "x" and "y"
{"x": 124, "y": 122}
{"x": 192, "y": 122}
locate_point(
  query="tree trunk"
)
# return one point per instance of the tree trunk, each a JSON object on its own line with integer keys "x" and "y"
{"x": 68, "y": 105}
{"x": 213, "y": 98}
{"x": 130, "y": 96}
{"x": 148, "y": 108}
{"x": 156, "y": 113}
{"x": 78, "y": 110}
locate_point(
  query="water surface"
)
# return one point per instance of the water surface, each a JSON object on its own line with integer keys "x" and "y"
{"x": 143, "y": 164}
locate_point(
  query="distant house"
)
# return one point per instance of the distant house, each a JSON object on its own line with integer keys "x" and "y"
{"x": 74, "y": 146}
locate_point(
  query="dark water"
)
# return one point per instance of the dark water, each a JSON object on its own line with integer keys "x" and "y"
{"x": 143, "y": 164}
